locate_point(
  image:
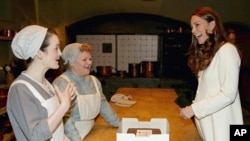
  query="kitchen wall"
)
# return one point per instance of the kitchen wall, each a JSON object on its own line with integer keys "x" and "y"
{"x": 60, "y": 13}
{"x": 66, "y": 12}
{"x": 14, "y": 14}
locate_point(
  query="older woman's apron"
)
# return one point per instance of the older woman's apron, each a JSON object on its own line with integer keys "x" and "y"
{"x": 89, "y": 107}
{"x": 50, "y": 105}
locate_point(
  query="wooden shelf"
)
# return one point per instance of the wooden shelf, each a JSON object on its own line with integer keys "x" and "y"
{"x": 8, "y": 136}
{"x": 5, "y": 38}
{"x": 2, "y": 110}
{"x": 4, "y": 86}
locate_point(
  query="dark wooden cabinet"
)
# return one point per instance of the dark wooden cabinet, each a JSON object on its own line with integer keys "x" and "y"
{"x": 174, "y": 58}
{"x": 244, "y": 88}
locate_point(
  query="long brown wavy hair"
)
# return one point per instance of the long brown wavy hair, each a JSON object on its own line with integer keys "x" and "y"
{"x": 200, "y": 55}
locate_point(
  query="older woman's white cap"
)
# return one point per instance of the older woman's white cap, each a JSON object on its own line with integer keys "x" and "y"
{"x": 28, "y": 41}
{"x": 71, "y": 52}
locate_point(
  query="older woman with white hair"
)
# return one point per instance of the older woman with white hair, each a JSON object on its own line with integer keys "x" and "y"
{"x": 90, "y": 101}
{"x": 34, "y": 107}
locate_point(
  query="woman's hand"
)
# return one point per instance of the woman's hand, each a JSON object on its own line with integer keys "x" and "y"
{"x": 65, "y": 98}
{"x": 186, "y": 112}
{"x": 67, "y": 95}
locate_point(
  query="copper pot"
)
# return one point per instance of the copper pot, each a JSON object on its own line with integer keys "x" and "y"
{"x": 134, "y": 70}
{"x": 148, "y": 69}
{"x": 7, "y": 32}
{"x": 104, "y": 71}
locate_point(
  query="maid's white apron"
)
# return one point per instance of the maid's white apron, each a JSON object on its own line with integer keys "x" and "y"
{"x": 89, "y": 107}
{"x": 50, "y": 105}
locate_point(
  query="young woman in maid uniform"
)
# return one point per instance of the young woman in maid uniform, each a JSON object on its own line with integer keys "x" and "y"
{"x": 36, "y": 108}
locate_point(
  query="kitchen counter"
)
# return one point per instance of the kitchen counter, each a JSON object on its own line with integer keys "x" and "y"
{"x": 151, "y": 103}
{"x": 4, "y": 86}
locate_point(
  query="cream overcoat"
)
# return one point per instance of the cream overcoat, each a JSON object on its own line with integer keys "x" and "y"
{"x": 217, "y": 102}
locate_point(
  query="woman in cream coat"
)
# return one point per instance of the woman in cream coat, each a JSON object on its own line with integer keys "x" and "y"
{"x": 216, "y": 63}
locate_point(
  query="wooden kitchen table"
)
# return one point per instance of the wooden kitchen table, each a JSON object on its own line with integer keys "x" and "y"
{"x": 150, "y": 103}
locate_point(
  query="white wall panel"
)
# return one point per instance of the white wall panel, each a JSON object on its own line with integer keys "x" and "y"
{"x": 136, "y": 48}
{"x": 96, "y": 41}
{"x": 129, "y": 49}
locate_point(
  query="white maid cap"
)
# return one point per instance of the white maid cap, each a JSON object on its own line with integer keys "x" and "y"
{"x": 71, "y": 52}
{"x": 28, "y": 41}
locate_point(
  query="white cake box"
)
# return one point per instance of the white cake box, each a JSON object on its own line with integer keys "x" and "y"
{"x": 154, "y": 123}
